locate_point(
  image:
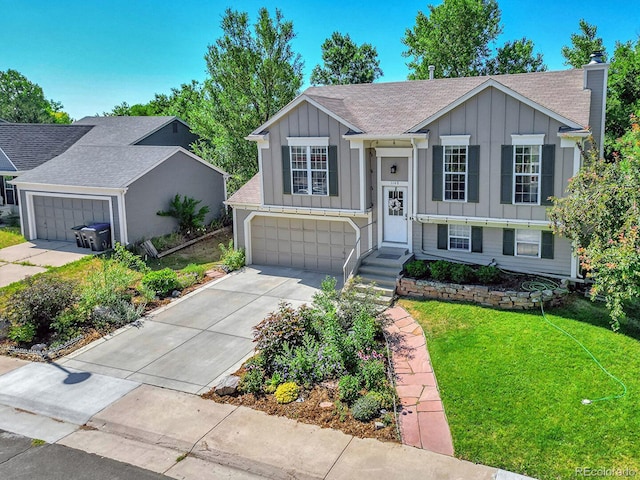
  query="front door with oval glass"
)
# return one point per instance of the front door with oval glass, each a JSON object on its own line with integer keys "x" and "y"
{"x": 395, "y": 221}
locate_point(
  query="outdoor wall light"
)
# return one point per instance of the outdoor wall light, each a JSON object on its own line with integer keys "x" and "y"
{"x": 394, "y": 169}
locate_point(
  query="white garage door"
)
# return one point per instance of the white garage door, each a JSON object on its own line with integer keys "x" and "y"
{"x": 54, "y": 216}
{"x": 320, "y": 245}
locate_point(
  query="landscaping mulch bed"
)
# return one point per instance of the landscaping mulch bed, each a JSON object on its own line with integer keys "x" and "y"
{"x": 309, "y": 411}
{"x": 93, "y": 334}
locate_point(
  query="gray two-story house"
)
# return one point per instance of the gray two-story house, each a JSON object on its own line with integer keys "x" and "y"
{"x": 454, "y": 168}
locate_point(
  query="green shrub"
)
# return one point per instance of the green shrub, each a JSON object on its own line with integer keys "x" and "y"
{"x": 416, "y": 268}
{"x": 365, "y": 330}
{"x": 286, "y": 325}
{"x": 373, "y": 374}
{"x": 386, "y": 397}
{"x": 488, "y": 274}
{"x": 118, "y": 313}
{"x": 161, "y": 281}
{"x": 128, "y": 259}
{"x": 273, "y": 383}
{"x": 33, "y": 309}
{"x": 287, "y": 392}
{"x": 231, "y": 258}
{"x": 365, "y": 408}
{"x": 349, "y": 388}
{"x": 184, "y": 210}
{"x": 300, "y": 364}
{"x": 108, "y": 285}
{"x": 252, "y": 381}
{"x": 461, "y": 273}
{"x": 166, "y": 242}
{"x": 440, "y": 270}
{"x": 191, "y": 274}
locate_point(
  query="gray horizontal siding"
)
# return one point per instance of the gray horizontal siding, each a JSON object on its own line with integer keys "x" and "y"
{"x": 425, "y": 241}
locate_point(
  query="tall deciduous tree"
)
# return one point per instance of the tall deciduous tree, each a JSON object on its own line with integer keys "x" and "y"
{"x": 253, "y": 74}
{"x": 22, "y": 101}
{"x": 601, "y": 215}
{"x": 515, "y": 57}
{"x": 583, "y": 44}
{"x": 346, "y": 63}
{"x": 623, "y": 92}
{"x": 454, "y": 37}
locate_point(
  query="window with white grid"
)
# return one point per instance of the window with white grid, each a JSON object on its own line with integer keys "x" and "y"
{"x": 528, "y": 243}
{"x": 460, "y": 237}
{"x": 455, "y": 173}
{"x": 526, "y": 173}
{"x": 309, "y": 170}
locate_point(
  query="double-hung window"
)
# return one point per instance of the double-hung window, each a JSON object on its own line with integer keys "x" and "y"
{"x": 459, "y": 238}
{"x": 309, "y": 166}
{"x": 528, "y": 243}
{"x": 455, "y": 167}
{"x": 527, "y": 155}
{"x": 455, "y": 173}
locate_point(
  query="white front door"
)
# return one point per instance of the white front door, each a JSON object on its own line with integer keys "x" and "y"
{"x": 395, "y": 221}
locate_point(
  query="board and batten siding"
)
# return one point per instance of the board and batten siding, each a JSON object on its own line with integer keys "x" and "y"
{"x": 425, "y": 242}
{"x": 307, "y": 121}
{"x": 491, "y": 117}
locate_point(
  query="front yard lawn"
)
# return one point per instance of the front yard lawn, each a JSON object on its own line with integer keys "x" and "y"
{"x": 512, "y": 387}
{"x": 10, "y": 236}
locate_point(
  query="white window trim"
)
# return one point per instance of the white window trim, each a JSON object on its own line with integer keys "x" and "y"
{"x": 308, "y": 141}
{"x": 515, "y": 243}
{"x": 533, "y": 139}
{"x": 455, "y": 140}
{"x": 309, "y": 170}
{"x": 444, "y": 172}
{"x": 458, "y": 236}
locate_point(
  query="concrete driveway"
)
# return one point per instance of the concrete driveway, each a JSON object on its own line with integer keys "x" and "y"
{"x": 193, "y": 342}
{"x": 25, "y": 259}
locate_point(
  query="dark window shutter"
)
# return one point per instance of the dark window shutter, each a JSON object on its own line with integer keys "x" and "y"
{"x": 443, "y": 237}
{"x": 476, "y": 239}
{"x": 546, "y": 250}
{"x": 473, "y": 174}
{"x": 546, "y": 173}
{"x": 506, "y": 175}
{"x": 436, "y": 174}
{"x": 333, "y": 170}
{"x": 286, "y": 171}
{"x": 508, "y": 241}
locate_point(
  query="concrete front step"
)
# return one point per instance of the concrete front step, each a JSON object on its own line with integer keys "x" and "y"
{"x": 379, "y": 280}
{"x": 380, "y": 270}
{"x": 398, "y": 263}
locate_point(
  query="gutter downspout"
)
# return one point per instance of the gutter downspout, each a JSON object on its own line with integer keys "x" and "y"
{"x": 414, "y": 196}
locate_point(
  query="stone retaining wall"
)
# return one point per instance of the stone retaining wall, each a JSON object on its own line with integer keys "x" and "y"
{"x": 483, "y": 295}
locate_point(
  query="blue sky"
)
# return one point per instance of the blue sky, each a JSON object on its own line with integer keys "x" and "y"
{"x": 93, "y": 54}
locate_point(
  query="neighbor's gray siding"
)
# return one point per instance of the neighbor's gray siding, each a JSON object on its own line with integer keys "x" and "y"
{"x": 425, "y": 242}
{"x": 308, "y": 121}
{"x": 491, "y": 117}
{"x": 167, "y": 137}
{"x": 153, "y": 192}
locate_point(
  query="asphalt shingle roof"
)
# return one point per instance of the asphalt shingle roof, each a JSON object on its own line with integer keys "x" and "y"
{"x": 396, "y": 107}
{"x": 120, "y": 130}
{"x": 28, "y": 145}
{"x": 109, "y": 166}
{"x": 249, "y": 193}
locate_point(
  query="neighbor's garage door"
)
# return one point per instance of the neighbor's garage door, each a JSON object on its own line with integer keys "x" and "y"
{"x": 54, "y": 216}
{"x": 311, "y": 244}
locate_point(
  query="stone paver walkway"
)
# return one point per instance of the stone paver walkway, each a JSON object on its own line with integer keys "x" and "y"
{"x": 423, "y": 423}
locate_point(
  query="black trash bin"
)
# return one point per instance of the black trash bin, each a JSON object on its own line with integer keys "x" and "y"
{"x": 97, "y": 236}
{"x": 79, "y": 239}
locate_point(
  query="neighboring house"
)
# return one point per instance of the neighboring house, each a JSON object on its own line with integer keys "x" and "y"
{"x": 457, "y": 168}
{"x": 121, "y": 171}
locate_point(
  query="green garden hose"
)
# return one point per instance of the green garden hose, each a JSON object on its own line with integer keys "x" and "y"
{"x": 540, "y": 285}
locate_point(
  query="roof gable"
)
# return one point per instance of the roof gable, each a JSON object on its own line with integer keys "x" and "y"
{"x": 399, "y": 107}
{"x": 122, "y": 130}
